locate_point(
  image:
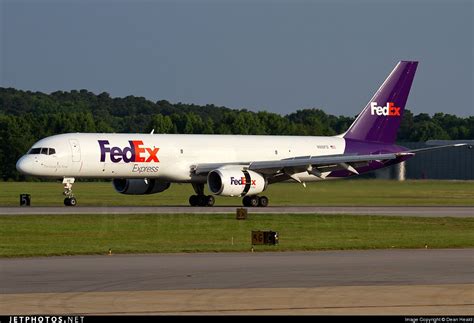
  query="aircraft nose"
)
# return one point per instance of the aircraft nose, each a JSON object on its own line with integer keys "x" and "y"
{"x": 25, "y": 165}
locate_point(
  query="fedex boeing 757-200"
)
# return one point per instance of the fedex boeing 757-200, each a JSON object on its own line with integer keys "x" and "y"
{"x": 231, "y": 165}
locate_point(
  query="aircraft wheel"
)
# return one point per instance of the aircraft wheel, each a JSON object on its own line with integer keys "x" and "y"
{"x": 263, "y": 201}
{"x": 202, "y": 200}
{"x": 193, "y": 200}
{"x": 72, "y": 201}
{"x": 246, "y": 201}
{"x": 254, "y": 201}
{"x": 210, "y": 200}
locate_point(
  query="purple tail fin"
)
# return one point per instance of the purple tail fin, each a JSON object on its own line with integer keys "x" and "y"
{"x": 380, "y": 119}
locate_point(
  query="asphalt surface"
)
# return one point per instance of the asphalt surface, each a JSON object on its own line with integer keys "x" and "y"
{"x": 236, "y": 270}
{"x": 426, "y": 211}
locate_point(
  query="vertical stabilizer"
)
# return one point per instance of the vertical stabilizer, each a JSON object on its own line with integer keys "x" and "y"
{"x": 380, "y": 119}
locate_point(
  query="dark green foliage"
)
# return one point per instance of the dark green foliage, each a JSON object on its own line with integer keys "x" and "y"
{"x": 26, "y": 117}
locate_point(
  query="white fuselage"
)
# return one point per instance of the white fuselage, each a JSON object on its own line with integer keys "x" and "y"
{"x": 164, "y": 157}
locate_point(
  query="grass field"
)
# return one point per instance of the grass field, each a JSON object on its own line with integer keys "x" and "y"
{"x": 96, "y": 234}
{"x": 338, "y": 192}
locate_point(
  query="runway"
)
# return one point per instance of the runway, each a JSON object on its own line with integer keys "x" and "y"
{"x": 424, "y": 211}
{"x": 237, "y": 270}
{"x": 361, "y": 282}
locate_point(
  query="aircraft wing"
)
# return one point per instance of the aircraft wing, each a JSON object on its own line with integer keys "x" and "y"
{"x": 320, "y": 166}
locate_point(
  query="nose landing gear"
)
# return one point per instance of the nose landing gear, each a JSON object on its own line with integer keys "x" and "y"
{"x": 70, "y": 200}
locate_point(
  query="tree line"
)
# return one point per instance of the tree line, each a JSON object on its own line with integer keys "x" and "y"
{"x": 26, "y": 117}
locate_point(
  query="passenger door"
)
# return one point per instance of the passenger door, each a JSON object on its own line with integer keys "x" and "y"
{"x": 75, "y": 150}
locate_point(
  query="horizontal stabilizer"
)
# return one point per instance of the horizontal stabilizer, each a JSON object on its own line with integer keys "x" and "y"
{"x": 421, "y": 150}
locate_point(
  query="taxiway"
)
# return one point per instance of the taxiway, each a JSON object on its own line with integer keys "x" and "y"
{"x": 426, "y": 211}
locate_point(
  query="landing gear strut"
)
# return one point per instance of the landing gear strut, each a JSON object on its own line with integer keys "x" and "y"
{"x": 70, "y": 200}
{"x": 200, "y": 199}
{"x": 254, "y": 200}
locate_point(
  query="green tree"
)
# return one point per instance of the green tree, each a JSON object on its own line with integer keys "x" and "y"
{"x": 161, "y": 124}
{"x": 427, "y": 130}
{"x": 26, "y": 117}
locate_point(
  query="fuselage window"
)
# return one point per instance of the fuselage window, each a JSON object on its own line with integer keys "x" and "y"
{"x": 52, "y": 151}
{"x": 35, "y": 151}
{"x": 44, "y": 151}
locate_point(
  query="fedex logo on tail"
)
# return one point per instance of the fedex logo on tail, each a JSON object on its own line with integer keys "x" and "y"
{"x": 134, "y": 153}
{"x": 241, "y": 181}
{"x": 390, "y": 110}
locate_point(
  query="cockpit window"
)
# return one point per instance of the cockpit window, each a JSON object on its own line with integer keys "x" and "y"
{"x": 34, "y": 151}
{"x": 43, "y": 150}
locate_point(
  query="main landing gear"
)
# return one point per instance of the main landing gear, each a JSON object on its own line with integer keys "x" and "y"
{"x": 70, "y": 200}
{"x": 200, "y": 199}
{"x": 254, "y": 200}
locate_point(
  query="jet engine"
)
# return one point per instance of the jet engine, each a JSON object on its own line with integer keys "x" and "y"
{"x": 235, "y": 182}
{"x": 137, "y": 186}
